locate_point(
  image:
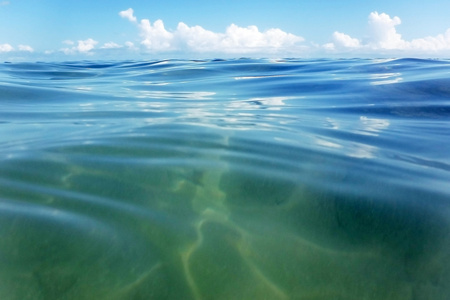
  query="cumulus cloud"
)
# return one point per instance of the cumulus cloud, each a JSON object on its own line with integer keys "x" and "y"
{"x": 25, "y": 48}
{"x": 6, "y": 48}
{"x": 432, "y": 43}
{"x": 344, "y": 40}
{"x": 155, "y": 37}
{"x": 250, "y": 39}
{"x": 383, "y": 35}
{"x": 197, "y": 38}
{"x": 110, "y": 45}
{"x": 128, "y": 14}
{"x": 82, "y": 46}
{"x": 86, "y": 45}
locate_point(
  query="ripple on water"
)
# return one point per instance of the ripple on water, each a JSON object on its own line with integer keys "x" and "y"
{"x": 224, "y": 179}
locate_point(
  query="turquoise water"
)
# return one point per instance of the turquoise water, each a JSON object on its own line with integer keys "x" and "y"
{"x": 225, "y": 179}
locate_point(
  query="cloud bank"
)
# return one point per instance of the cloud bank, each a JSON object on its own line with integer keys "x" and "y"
{"x": 156, "y": 38}
{"x": 383, "y": 36}
{"x": 8, "y": 48}
{"x": 381, "y": 39}
{"x": 83, "y": 46}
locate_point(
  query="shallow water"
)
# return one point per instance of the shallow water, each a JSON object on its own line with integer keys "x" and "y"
{"x": 225, "y": 179}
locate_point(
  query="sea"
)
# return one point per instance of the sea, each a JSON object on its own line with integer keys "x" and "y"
{"x": 225, "y": 179}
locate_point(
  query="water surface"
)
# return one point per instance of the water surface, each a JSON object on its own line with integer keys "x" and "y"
{"x": 225, "y": 179}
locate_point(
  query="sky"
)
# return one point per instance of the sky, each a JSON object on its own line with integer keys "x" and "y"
{"x": 114, "y": 29}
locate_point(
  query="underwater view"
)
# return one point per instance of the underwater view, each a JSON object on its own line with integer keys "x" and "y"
{"x": 225, "y": 179}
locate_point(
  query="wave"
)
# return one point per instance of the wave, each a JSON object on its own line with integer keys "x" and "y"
{"x": 242, "y": 178}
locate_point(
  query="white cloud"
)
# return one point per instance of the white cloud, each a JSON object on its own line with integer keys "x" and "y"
{"x": 110, "y": 45}
{"x": 82, "y": 46}
{"x": 436, "y": 43}
{"x": 6, "y": 48}
{"x": 383, "y": 35}
{"x": 68, "y": 42}
{"x": 250, "y": 39}
{"x": 86, "y": 45}
{"x": 382, "y": 38}
{"x": 130, "y": 45}
{"x": 128, "y": 14}
{"x": 156, "y": 38}
{"x": 4, "y": 3}
{"x": 344, "y": 40}
{"x": 197, "y": 38}
{"x": 25, "y": 48}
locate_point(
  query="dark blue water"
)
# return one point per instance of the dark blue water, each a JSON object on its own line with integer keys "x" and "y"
{"x": 225, "y": 179}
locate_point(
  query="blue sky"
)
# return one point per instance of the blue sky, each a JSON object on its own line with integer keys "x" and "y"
{"x": 69, "y": 30}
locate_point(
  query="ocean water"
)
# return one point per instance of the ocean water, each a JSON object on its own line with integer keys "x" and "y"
{"x": 225, "y": 179}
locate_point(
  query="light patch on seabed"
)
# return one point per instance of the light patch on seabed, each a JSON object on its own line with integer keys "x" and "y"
{"x": 233, "y": 258}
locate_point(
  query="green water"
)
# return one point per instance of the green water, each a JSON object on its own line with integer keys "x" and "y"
{"x": 127, "y": 220}
{"x": 250, "y": 179}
